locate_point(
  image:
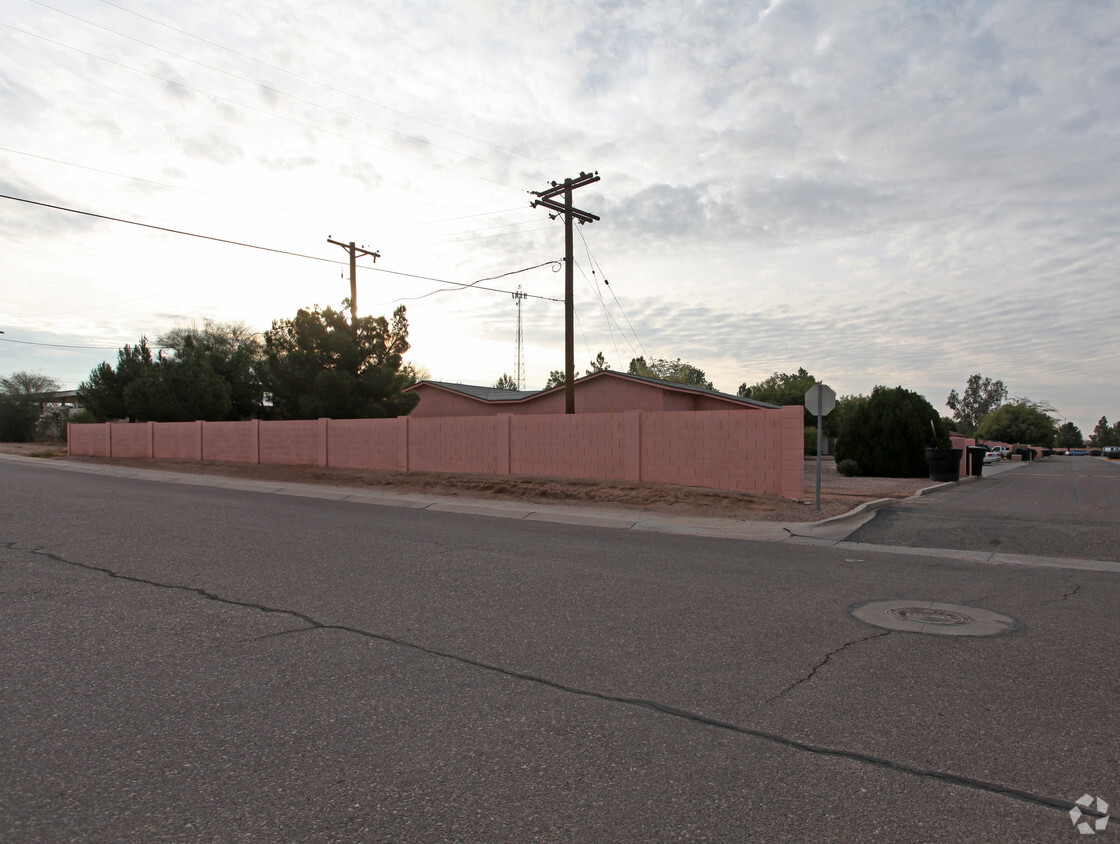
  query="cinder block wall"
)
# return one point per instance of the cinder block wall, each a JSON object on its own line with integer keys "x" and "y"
{"x": 760, "y": 451}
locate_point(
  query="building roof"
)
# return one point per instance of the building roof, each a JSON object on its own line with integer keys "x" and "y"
{"x": 493, "y": 394}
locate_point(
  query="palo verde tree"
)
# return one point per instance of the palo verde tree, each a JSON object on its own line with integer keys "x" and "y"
{"x": 981, "y": 397}
{"x": 318, "y": 364}
{"x": 887, "y": 433}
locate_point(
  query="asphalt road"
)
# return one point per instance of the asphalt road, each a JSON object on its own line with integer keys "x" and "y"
{"x": 1058, "y": 507}
{"x": 190, "y": 663}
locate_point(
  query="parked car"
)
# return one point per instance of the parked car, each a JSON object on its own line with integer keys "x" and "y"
{"x": 1112, "y": 452}
{"x": 993, "y": 457}
{"x": 1078, "y": 452}
{"x": 1003, "y": 450}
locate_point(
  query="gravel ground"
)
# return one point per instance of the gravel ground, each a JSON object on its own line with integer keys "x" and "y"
{"x": 838, "y": 494}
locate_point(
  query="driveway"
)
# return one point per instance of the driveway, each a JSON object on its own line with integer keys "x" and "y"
{"x": 1062, "y": 506}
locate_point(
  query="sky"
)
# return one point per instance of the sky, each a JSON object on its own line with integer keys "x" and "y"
{"x": 884, "y": 193}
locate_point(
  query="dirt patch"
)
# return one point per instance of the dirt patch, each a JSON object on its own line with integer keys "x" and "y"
{"x": 838, "y": 494}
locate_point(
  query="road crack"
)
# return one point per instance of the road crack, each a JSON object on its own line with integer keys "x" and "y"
{"x": 827, "y": 658}
{"x": 640, "y": 703}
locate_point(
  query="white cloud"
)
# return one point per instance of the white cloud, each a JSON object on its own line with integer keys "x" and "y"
{"x": 881, "y": 192}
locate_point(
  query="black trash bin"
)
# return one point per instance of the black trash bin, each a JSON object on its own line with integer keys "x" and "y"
{"x": 944, "y": 464}
{"x": 976, "y": 460}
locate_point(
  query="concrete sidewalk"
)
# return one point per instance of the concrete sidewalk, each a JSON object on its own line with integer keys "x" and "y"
{"x": 830, "y": 532}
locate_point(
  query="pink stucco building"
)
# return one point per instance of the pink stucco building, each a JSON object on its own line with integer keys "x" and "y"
{"x": 600, "y": 392}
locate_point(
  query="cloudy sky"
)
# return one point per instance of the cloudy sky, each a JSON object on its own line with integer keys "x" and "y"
{"x": 897, "y": 193}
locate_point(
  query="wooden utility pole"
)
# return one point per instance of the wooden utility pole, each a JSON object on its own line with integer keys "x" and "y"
{"x": 354, "y": 252}
{"x": 545, "y": 198}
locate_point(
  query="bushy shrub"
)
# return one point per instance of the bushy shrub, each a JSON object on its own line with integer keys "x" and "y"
{"x": 848, "y": 468}
{"x": 811, "y": 441}
{"x": 887, "y": 435}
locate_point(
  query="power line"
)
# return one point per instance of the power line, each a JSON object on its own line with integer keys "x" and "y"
{"x": 607, "y": 284}
{"x": 474, "y": 284}
{"x": 401, "y": 226}
{"x": 54, "y": 345}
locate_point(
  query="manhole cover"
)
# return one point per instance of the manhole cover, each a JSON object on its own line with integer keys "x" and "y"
{"x": 909, "y": 616}
{"x": 928, "y": 615}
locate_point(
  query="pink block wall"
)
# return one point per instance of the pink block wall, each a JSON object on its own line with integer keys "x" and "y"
{"x": 459, "y": 444}
{"x": 569, "y": 446}
{"x": 358, "y": 444}
{"x": 178, "y": 440}
{"x": 230, "y": 442}
{"x": 957, "y": 441}
{"x": 131, "y": 439}
{"x": 294, "y": 443}
{"x": 89, "y": 440}
{"x": 759, "y": 451}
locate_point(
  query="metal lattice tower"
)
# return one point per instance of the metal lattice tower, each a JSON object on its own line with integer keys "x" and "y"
{"x": 520, "y": 366}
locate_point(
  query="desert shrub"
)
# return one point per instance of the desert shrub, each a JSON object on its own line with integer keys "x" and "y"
{"x": 887, "y": 435}
{"x": 848, "y": 468}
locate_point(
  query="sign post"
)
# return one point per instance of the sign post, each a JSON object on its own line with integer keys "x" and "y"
{"x": 821, "y": 400}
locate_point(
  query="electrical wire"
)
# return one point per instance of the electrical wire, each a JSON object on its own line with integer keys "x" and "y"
{"x": 611, "y": 289}
{"x": 474, "y": 285}
{"x": 54, "y": 345}
{"x": 556, "y": 265}
{"x": 292, "y": 210}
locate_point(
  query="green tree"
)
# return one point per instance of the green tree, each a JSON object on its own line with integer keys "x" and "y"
{"x": 784, "y": 388}
{"x": 317, "y": 365}
{"x": 981, "y": 397}
{"x": 781, "y": 388}
{"x": 233, "y": 353}
{"x": 103, "y": 395}
{"x": 22, "y": 395}
{"x": 670, "y": 370}
{"x": 556, "y": 378}
{"x": 181, "y": 388}
{"x": 1069, "y": 436}
{"x": 1021, "y": 422}
{"x": 886, "y": 434}
{"x": 506, "y": 382}
{"x": 1104, "y": 434}
{"x": 600, "y": 364}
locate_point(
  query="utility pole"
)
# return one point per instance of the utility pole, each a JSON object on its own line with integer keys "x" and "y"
{"x": 545, "y": 198}
{"x": 354, "y": 252}
{"x": 520, "y": 367}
